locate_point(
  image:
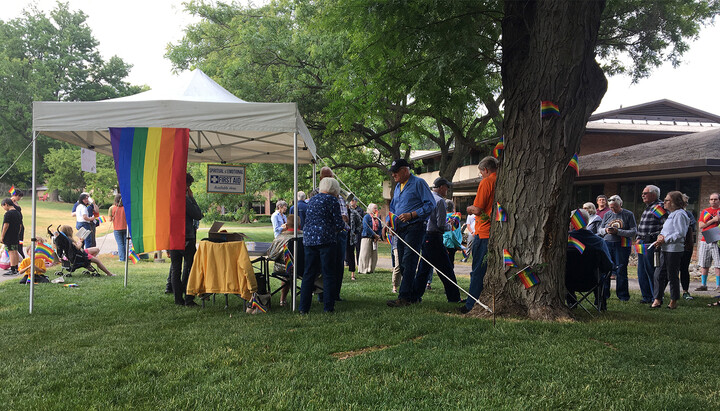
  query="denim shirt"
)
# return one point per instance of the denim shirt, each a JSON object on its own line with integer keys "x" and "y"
{"x": 415, "y": 196}
{"x": 323, "y": 220}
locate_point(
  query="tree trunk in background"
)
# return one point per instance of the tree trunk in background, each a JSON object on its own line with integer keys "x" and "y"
{"x": 55, "y": 195}
{"x": 548, "y": 54}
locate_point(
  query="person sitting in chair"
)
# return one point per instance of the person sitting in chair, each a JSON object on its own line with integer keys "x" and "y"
{"x": 90, "y": 253}
{"x": 593, "y": 244}
{"x": 276, "y": 253}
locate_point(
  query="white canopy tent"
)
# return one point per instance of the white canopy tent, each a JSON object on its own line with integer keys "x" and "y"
{"x": 223, "y": 128}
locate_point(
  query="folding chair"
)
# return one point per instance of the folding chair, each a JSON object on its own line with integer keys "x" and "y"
{"x": 584, "y": 276}
{"x": 286, "y": 276}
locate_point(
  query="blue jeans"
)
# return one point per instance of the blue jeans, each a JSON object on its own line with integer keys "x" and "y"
{"x": 340, "y": 262}
{"x": 434, "y": 251}
{"x": 120, "y": 236}
{"x": 620, "y": 256}
{"x": 413, "y": 236}
{"x": 88, "y": 242}
{"x": 646, "y": 274}
{"x": 318, "y": 258}
{"x": 479, "y": 267}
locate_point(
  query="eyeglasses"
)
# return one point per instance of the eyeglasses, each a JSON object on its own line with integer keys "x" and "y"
{"x": 666, "y": 200}
{"x": 646, "y": 193}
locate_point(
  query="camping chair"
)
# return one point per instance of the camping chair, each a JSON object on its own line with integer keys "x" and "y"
{"x": 286, "y": 276}
{"x": 585, "y": 276}
{"x": 71, "y": 258}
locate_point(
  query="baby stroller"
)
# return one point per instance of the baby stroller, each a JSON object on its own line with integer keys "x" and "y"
{"x": 70, "y": 257}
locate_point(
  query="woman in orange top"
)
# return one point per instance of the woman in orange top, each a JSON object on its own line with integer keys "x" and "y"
{"x": 117, "y": 216}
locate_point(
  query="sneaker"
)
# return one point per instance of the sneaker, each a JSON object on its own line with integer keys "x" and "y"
{"x": 10, "y": 272}
{"x": 687, "y": 296}
{"x": 400, "y": 302}
{"x": 701, "y": 288}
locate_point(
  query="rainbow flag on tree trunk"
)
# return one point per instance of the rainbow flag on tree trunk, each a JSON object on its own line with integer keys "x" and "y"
{"x": 151, "y": 164}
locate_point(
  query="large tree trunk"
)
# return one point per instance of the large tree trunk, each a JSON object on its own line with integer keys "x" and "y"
{"x": 548, "y": 54}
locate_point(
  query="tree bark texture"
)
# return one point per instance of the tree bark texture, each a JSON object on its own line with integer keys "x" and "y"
{"x": 548, "y": 54}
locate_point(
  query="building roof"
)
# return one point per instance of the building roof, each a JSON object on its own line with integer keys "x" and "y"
{"x": 690, "y": 153}
{"x": 659, "y": 110}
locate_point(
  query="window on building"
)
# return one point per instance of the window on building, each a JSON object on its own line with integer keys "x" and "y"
{"x": 631, "y": 192}
{"x": 586, "y": 193}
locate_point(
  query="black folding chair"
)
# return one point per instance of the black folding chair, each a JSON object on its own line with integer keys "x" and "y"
{"x": 286, "y": 276}
{"x": 585, "y": 276}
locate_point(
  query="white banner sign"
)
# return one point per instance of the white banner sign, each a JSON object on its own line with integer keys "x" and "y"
{"x": 222, "y": 178}
{"x": 87, "y": 160}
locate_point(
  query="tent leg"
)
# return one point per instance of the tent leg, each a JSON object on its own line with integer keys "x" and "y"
{"x": 32, "y": 219}
{"x": 295, "y": 219}
{"x": 127, "y": 253}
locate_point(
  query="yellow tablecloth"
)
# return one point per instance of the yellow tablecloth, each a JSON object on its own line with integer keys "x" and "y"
{"x": 222, "y": 268}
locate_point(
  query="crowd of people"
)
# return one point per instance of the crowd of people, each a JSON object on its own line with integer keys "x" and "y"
{"x": 663, "y": 239}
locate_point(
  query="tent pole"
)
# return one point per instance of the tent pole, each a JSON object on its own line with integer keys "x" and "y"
{"x": 33, "y": 239}
{"x": 295, "y": 218}
{"x": 314, "y": 174}
{"x": 127, "y": 252}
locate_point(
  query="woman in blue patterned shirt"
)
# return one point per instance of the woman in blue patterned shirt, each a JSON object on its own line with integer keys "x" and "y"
{"x": 322, "y": 223}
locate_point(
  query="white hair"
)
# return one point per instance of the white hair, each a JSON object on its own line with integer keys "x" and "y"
{"x": 370, "y": 207}
{"x": 615, "y": 199}
{"x": 301, "y": 196}
{"x": 280, "y": 204}
{"x": 591, "y": 208}
{"x": 653, "y": 189}
{"x": 329, "y": 185}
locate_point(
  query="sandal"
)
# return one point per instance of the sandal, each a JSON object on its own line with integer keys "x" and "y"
{"x": 715, "y": 304}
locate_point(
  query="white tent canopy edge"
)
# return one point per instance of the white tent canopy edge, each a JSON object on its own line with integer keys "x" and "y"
{"x": 223, "y": 128}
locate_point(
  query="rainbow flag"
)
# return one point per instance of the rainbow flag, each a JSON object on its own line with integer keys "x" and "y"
{"x": 44, "y": 251}
{"x": 500, "y": 214}
{"x": 507, "y": 259}
{"x": 153, "y": 193}
{"x": 465, "y": 251}
{"x": 12, "y": 190}
{"x": 641, "y": 248}
{"x": 705, "y": 216}
{"x": 70, "y": 285}
{"x": 102, "y": 219}
{"x": 659, "y": 211}
{"x": 392, "y": 220}
{"x": 528, "y": 278}
{"x": 574, "y": 164}
{"x": 499, "y": 146}
{"x": 548, "y": 108}
{"x": 577, "y": 244}
{"x": 624, "y": 242}
{"x": 454, "y": 220}
{"x": 256, "y": 304}
{"x": 133, "y": 257}
{"x": 577, "y": 221}
{"x": 287, "y": 257}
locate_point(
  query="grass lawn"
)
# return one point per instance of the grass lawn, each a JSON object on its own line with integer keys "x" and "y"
{"x": 102, "y": 346}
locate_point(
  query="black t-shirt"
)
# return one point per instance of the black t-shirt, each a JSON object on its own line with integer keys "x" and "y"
{"x": 14, "y": 221}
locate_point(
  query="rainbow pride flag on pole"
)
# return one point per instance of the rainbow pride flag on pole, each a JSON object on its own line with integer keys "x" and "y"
{"x": 12, "y": 190}
{"x": 528, "y": 278}
{"x": 498, "y": 147}
{"x": 507, "y": 258}
{"x": 102, "y": 219}
{"x": 574, "y": 164}
{"x": 500, "y": 214}
{"x": 577, "y": 221}
{"x": 392, "y": 220}
{"x": 641, "y": 248}
{"x": 659, "y": 211}
{"x": 287, "y": 257}
{"x": 548, "y": 108}
{"x": 577, "y": 244}
{"x": 151, "y": 164}
{"x": 132, "y": 256}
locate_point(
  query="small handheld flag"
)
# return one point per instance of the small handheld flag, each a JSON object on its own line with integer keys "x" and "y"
{"x": 498, "y": 147}
{"x": 641, "y": 248}
{"x": 465, "y": 251}
{"x": 659, "y": 211}
{"x": 574, "y": 164}
{"x": 392, "y": 220}
{"x": 577, "y": 244}
{"x": 624, "y": 242}
{"x": 528, "y": 278}
{"x": 548, "y": 108}
{"x": 70, "y": 285}
{"x": 500, "y": 214}
{"x": 507, "y": 259}
{"x": 287, "y": 257}
{"x": 12, "y": 190}
{"x": 705, "y": 217}
{"x": 256, "y": 304}
{"x": 133, "y": 256}
{"x": 102, "y": 219}
{"x": 577, "y": 220}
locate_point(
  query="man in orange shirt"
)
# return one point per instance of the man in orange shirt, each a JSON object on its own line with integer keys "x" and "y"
{"x": 482, "y": 209}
